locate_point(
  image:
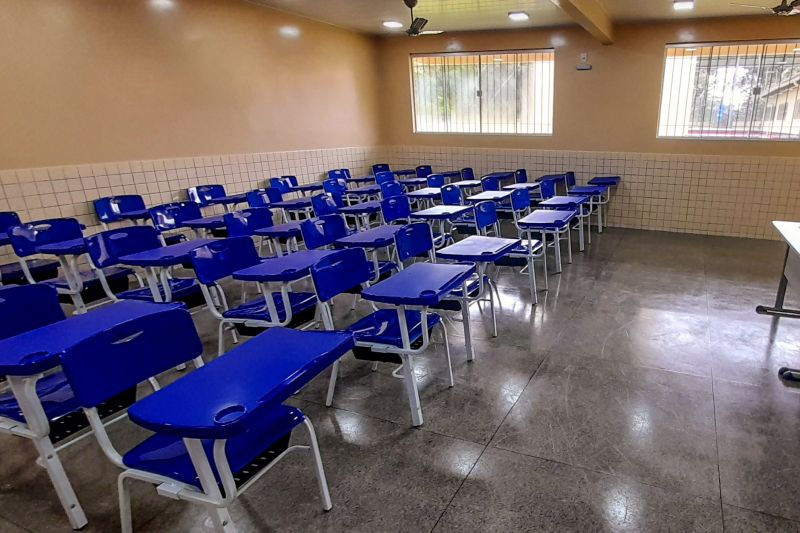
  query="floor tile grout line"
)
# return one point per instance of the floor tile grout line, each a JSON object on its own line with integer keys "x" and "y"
{"x": 713, "y": 389}
{"x": 486, "y": 447}
{"x": 602, "y": 473}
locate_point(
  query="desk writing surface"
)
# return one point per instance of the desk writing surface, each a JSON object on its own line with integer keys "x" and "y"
{"x": 39, "y": 349}
{"x": 790, "y": 232}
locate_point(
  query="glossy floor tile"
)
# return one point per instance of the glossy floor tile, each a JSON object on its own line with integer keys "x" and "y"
{"x": 640, "y": 394}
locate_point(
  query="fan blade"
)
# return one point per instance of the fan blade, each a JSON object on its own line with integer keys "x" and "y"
{"x": 432, "y": 32}
{"x": 795, "y": 3}
{"x": 417, "y": 25}
{"x": 754, "y": 7}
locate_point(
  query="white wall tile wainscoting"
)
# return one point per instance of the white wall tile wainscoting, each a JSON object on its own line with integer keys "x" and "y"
{"x": 715, "y": 195}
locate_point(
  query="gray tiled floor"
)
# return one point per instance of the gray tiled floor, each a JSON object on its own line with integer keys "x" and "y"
{"x": 639, "y": 395}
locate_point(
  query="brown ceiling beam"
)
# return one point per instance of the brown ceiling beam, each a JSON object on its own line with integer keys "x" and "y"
{"x": 591, "y": 16}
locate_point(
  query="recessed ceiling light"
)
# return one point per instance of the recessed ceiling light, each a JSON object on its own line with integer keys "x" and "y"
{"x": 691, "y": 49}
{"x": 797, "y": 50}
{"x": 518, "y": 16}
{"x": 291, "y": 32}
{"x": 392, "y": 24}
{"x": 163, "y": 5}
{"x": 682, "y": 5}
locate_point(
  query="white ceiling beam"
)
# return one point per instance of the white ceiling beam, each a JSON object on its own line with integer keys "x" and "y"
{"x": 591, "y": 16}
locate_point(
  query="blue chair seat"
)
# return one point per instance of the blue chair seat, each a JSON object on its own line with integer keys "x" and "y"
{"x": 588, "y": 190}
{"x": 54, "y": 391}
{"x": 383, "y": 327}
{"x": 181, "y": 288}
{"x": 90, "y": 280}
{"x": 166, "y": 455}
{"x": 257, "y": 309}
{"x": 174, "y": 239}
{"x": 282, "y": 231}
{"x": 41, "y": 269}
{"x": 384, "y": 267}
{"x": 518, "y": 256}
{"x": 473, "y": 289}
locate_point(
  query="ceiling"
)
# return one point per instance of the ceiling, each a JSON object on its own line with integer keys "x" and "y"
{"x": 464, "y": 15}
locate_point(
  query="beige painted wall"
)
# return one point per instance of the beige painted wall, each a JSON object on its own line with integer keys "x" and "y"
{"x": 613, "y": 107}
{"x": 87, "y": 81}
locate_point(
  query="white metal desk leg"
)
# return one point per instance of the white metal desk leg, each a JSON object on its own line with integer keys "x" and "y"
{"x": 318, "y": 467}
{"x": 600, "y": 215}
{"x": 467, "y": 328}
{"x": 411, "y": 389}
{"x": 220, "y": 517}
{"x": 557, "y": 240}
{"x": 152, "y": 282}
{"x": 72, "y": 275}
{"x": 580, "y": 233}
{"x": 24, "y": 389}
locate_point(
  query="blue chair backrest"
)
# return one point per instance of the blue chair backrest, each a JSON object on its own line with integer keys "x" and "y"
{"x": 485, "y": 215}
{"x": 340, "y": 272}
{"x": 203, "y": 193}
{"x": 219, "y": 259}
{"x": 274, "y": 194}
{"x": 392, "y": 188}
{"x": 385, "y": 177}
{"x": 170, "y": 216}
{"x": 490, "y": 183}
{"x": 467, "y": 173}
{"x": 396, "y": 208}
{"x": 323, "y": 231}
{"x": 325, "y": 204}
{"x": 380, "y": 167}
{"x": 423, "y": 171}
{"x": 258, "y": 198}
{"x": 553, "y": 177}
{"x": 334, "y": 186}
{"x": 570, "y": 178}
{"x": 520, "y": 199}
{"x": 109, "y": 208}
{"x": 105, "y": 248}
{"x": 520, "y": 176}
{"x": 435, "y": 180}
{"x": 8, "y": 219}
{"x": 451, "y": 195}
{"x": 339, "y": 174}
{"x": 125, "y": 355}
{"x": 547, "y": 188}
{"x": 26, "y": 237}
{"x": 282, "y": 184}
{"x": 245, "y": 222}
{"x": 413, "y": 240}
{"x": 27, "y": 307}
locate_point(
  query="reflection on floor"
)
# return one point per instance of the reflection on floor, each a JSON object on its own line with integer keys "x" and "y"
{"x": 641, "y": 394}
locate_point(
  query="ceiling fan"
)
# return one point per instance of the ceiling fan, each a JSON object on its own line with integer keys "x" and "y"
{"x": 786, "y": 9}
{"x": 418, "y": 23}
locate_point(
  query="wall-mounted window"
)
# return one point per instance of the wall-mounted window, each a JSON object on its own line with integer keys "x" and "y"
{"x": 508, "y": 93}
{"x": 731, "y": 91}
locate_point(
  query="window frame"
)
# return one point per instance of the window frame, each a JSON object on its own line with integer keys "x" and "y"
{"x": 701, "y": 44}
{"x": 480, "y": 114}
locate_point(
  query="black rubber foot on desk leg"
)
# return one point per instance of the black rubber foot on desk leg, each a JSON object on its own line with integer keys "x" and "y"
{"x": 771, "y": 311}
{"x": 789, "y": 374}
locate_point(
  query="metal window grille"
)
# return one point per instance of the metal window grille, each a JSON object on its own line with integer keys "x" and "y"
{"x": 509, "y": 92}
{"x": 745, "y": 90}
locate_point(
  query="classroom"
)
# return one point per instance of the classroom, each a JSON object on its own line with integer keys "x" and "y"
{"x": 399, "y": 265}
